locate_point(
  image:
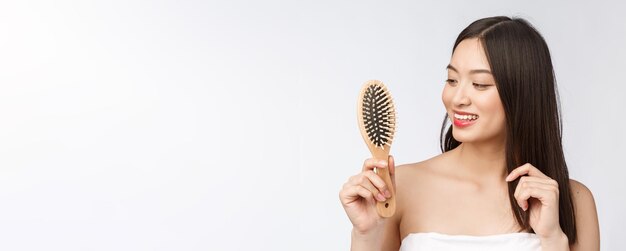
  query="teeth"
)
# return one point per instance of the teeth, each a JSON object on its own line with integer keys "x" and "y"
{"x": 465, "y": 117}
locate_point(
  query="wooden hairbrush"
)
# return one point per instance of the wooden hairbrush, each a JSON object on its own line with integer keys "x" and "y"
{"x": 377, "y": 121}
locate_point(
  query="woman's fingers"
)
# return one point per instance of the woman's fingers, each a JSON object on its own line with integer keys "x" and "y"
{"x": 546, "y": 181}
{"x": 545, "y": 193}
{"x": 523, "y": 170}
{"x": 365, "y": 192}
{"x": 350, "y": 193}
{"x": 375, "y": 180}
{"x": 368, "y": 184}
{"x": 372, "y": 163}
{"x": 536, "y": 185}
{"x": 372, "y": 182}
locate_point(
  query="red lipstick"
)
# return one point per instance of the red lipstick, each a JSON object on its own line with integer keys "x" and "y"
{"x": 463, "y": 122}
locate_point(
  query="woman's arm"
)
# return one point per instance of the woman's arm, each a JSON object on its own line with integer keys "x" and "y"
{"x": 390, "y": 238}
{"x": 587, "y": 227}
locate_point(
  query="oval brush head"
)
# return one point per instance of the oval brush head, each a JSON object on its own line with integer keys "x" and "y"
{"x": 376, "y": 115}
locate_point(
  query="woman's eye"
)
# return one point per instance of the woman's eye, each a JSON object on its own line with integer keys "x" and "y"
{"x": 451, "y": 82}
{"x": 480, "y": 87}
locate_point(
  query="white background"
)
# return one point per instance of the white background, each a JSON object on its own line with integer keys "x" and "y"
{"x": 189, "y": 125}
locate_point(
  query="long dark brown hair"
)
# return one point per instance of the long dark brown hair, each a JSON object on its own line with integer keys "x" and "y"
{"x": 522, "y": 68}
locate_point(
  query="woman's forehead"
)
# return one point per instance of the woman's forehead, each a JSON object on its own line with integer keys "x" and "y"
{"x": 469, "y": 55}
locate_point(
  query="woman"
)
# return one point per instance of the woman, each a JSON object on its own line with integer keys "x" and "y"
{"x": 501, "y": 182}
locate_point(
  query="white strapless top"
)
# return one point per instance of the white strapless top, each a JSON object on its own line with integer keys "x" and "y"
{"x": 444, "y": 242}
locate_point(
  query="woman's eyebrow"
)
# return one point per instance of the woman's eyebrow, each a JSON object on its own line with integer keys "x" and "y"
{"x": 450, "y": 67}
{"x": 475, "y": 71}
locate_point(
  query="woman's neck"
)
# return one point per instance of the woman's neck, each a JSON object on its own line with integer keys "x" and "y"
{"x": 482, "y": 162}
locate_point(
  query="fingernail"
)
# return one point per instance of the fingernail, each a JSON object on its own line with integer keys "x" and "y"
{"x": 387, "y": 194}
{"x": 380, "y": 197}
{"x": 507, "y": 179}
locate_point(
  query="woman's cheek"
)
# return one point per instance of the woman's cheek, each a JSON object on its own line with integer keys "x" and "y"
{"x": 445, "y": 97}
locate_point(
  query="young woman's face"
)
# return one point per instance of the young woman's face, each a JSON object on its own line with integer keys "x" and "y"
{"x": 471, "y": 97}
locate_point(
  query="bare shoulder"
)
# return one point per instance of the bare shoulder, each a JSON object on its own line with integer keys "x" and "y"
{"x": 579, "y": 189}
{"x": 581, "y": 195}
{"x": 404, "y": 169}
{"x": 408, "y": 179}
{"x": 415, "y": 177}
{"x": 587, "y": 227}
{"x": 418, "y": 170}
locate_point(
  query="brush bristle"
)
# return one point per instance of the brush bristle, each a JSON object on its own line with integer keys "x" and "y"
{"x": 379, "y": 115}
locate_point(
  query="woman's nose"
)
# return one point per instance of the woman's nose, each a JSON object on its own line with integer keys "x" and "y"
{"x": 461, "y": 96}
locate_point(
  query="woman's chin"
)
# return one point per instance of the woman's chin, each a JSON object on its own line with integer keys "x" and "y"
{"x": 470, "y": 139}
{"x": 476, "y": 139}
{"x": 463, "y": 138}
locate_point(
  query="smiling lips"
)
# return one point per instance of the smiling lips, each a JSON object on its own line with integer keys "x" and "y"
{"x": 463, "y": 119}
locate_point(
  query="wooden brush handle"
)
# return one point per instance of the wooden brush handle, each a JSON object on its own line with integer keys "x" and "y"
{"x": 386, "y": 208}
